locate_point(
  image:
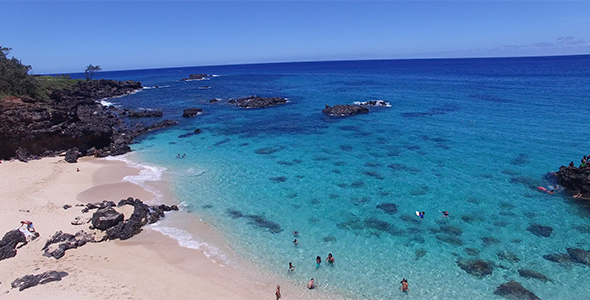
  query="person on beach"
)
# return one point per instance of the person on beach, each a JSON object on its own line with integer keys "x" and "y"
{"x": 291, "y": 267}
{"x": 330, "y": 259}
{"x": 278, "y": 292}
{"x": 405, "y": 286}
{"x": 77, "y": 169}
{"x": 318, "y": 261}
{"x": 295, "y": 242}
{"x": 29, "y": 224}
{"x": 311, "y": 285}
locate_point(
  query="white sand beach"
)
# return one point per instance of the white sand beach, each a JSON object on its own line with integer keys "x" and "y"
{"x": 148, "y": 266}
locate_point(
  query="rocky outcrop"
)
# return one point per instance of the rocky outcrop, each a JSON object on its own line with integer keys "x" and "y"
{"x": 514, "y": 290}
{"x": 73, "y": 118}
{"x": 191, "y": 112}
{"x": 28, "y": 281}
{"x": 475, "y": 267}
{"x": 195, "y": 77}
{"x": 9, "y": 242}
{"x": 72, "y": 155}
{"x": 344, "y": 110}
{"x": 142, "y": 215}
{"x": 106, "y": 217}
{"x": 575, "y": 180}
{"x": 57, "y": 245}
{"x": 257, "y": 102}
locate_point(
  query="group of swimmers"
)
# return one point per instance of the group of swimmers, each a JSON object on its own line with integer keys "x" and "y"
{"x": 178, "y": 156}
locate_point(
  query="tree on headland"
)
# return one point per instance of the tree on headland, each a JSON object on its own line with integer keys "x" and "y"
{"x": 90, "y": 71}
{"x": 14, "y": 77}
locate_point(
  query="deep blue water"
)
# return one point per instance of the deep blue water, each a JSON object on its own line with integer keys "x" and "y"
{"x": 470, "y": 136}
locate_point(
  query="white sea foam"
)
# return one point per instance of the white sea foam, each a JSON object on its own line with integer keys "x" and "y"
{"x": 147, "y": 173}
{"x": 376, "y": 103}
{"x": 187, "y": 240}
{"x": 104, "y": 102}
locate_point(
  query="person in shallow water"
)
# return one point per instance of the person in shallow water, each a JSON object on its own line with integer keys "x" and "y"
{"x": 291, "y": 267}
{"x": 421, "y": 215}
{"x": 330, "y": 259}
{"x": 311, "y": 284}
{"x": 445, "y": 213}
{"x": 295, "y": 242}
{"x": 405, "y": 285}
{"x": 318, "y": 261}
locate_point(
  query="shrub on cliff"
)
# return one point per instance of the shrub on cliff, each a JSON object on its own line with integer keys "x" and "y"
{"x": 15, "y": 79}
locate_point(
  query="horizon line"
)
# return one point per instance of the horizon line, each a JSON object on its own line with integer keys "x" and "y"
{"x": 329, "y": 60}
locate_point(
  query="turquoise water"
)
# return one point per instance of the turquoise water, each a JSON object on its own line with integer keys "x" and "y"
{"x": 473, "y": 137}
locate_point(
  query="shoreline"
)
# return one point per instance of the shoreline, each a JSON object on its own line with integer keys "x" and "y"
{"x": 147, "y": 266}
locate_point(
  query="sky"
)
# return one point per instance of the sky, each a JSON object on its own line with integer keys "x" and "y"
{"x": 67, "y": 36}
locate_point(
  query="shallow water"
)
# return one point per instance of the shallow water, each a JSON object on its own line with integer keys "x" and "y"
{"x": 473, "y": 137}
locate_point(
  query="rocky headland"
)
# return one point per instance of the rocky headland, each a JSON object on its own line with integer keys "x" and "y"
{"x": 72, "y": 118}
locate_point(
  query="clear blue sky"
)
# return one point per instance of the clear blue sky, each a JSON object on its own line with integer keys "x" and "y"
{"x": 62, "y": 37}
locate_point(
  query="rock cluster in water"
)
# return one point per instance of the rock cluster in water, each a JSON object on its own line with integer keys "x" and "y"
{"x": 257, "y": 102}
{"x": 344, "y": 110}
{"x": 73, "y": 118}
{"x": 195, "y": 77}
{"x": 575, "y": 180}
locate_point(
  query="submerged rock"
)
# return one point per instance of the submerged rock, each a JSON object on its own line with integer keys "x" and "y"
{"x": 388, "y": 208}
{"x": 507, "y": 255}
{"x": 533, "y": 274}
{"x": 261, "y": 222}
{"x": 471, "y": 251}
{"x": 578, "y": 255}
{"x": 450, "y": 239}
{"x": 419, "y": 253}
{"x": 514, "y": 290}
{"x": 488, "y": 240}
{"x": 558, "y": 257}
{"x": 540, "y": 230}
{"x": 475, "y": 267}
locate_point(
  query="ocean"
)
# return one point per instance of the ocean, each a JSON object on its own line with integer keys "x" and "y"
{"x": 474, "y": 137}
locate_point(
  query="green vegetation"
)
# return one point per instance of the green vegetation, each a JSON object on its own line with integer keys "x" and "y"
{"x": 90, "y": 71}
{"x": 16, "y": 81}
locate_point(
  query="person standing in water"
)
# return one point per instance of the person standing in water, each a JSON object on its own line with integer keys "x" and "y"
{"x": 291, "y": 267}
{"x": 318, "y": 261}
{"x": 330, "y": 259}
{"x": 405, "y": 286}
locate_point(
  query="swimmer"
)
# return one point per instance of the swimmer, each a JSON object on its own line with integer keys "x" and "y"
{"x": 405, "y": 285}
{"x": 311, "y": 285}
{"x": 295, "y": 242}
{"x": 178, "y": 156}
{"x": 291, "y": 267}
{"x": 278, "y": 292}
{"x": 318, "y": 261}
{"x": 445, "y": 213}
{"x": 183, "y": 155}
{"x": 330, "y": 259}
{"x": 421, "y": 215}
{"x": 295, "y": 233}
